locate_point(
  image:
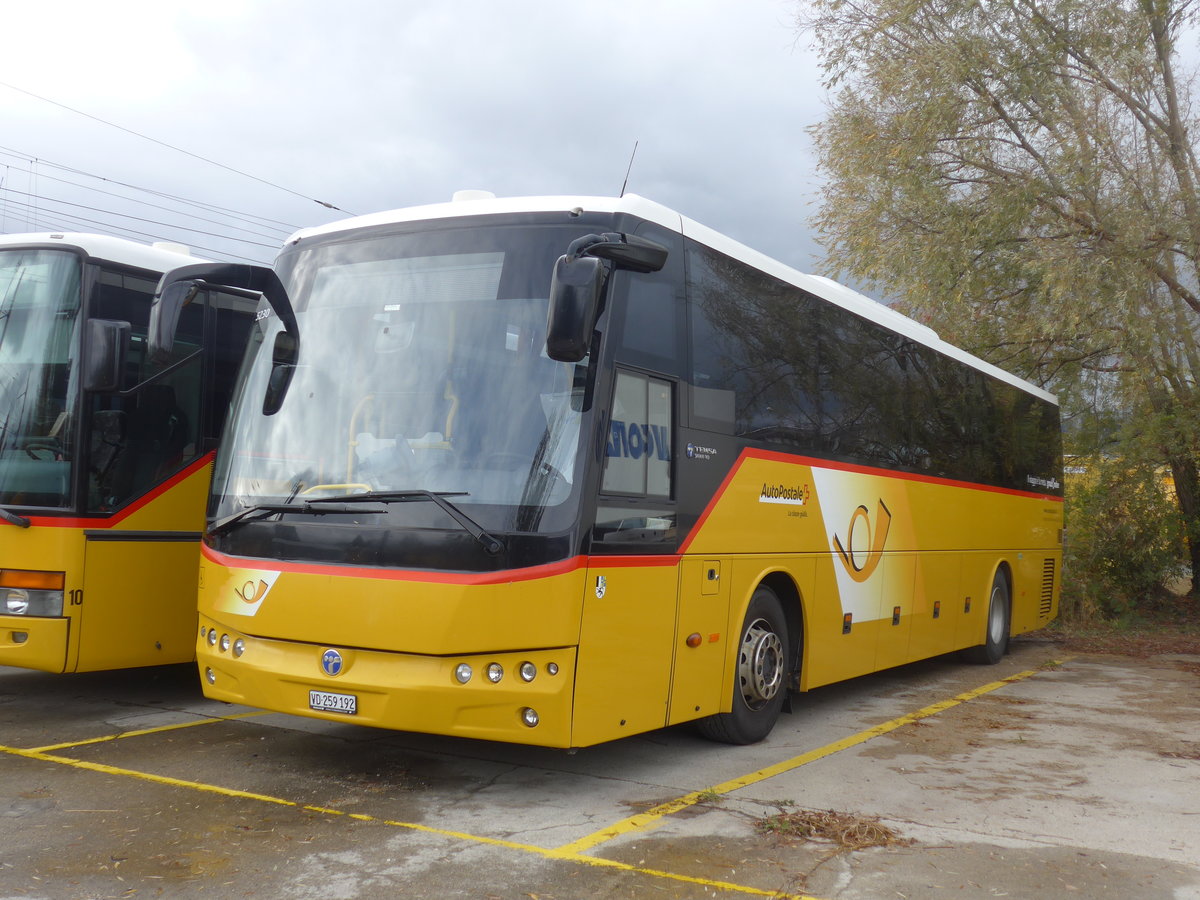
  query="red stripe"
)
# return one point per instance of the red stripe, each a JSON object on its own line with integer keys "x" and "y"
{"x": 900, "y": 476}
{"x": 114, "y": 520}
{"x": 530, "y": 573}
{"x": 812, "y": 463}
{"x": 716, "y": 497}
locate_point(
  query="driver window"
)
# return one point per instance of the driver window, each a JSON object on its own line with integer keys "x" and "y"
{"x": 638, "y": 457}
{"x": 140, "y": 438}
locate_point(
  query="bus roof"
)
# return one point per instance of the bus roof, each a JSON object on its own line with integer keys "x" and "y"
{"x": 640, "y": 207}
{"x": 159, "y": 257}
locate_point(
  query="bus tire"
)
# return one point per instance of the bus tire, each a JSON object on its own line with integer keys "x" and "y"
{"x": 762, "y": 678}
{"x": 999, "y": 613}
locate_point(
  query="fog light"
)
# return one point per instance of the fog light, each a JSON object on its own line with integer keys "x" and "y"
{"x": 495, "y": 672}
{"x": 16, "y": 603}
{"x": 209, "y": 675}
{"x": 239, "y": 647}
{"x": 463, "y": 673}
{"x": 528, "y": 671}
{"x": 203, "y": 631}
{"x": 226, "y": 643}
{"x": 530, "y": 717}
{"x": 552, "y": 668}
{"x": 20, "y": 637}
{"x": 212, "y": 637}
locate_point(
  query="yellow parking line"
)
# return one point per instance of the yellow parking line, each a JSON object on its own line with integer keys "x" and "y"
{"x": 572, "y": 852}
{"x": 144, "y": 731}
{"x": 652, "y": 818}
{"x": 547, "y": 853}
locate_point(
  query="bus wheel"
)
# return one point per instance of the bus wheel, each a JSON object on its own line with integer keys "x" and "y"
{"x": 995, "y": 643}
{"x": 761, "y": 675}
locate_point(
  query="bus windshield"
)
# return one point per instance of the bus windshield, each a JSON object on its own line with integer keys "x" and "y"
{"x": 39, "y": 315}
{"x": 422, "y": 367}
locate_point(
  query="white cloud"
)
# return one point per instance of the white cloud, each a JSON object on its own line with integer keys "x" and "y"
{"x": 373, "y": 105}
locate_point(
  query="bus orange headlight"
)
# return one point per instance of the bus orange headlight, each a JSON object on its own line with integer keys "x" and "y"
{"x": 25, "y": 593}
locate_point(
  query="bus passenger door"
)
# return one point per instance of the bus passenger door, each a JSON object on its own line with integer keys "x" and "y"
{"x": 624, "y": 664}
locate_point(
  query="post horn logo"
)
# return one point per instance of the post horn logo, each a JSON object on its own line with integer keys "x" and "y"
{"x": 249, "y": 593}
{"x": 860, "y": 564}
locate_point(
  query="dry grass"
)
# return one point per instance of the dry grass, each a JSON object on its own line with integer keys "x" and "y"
{"x": 1168, "y": 625}
{"x": 846, "y": 831}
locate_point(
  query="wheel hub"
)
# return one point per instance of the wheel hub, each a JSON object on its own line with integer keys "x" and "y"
{"x": 760, "y": 664}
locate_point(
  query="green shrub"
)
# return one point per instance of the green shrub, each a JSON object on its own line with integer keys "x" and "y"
{"x": 1124, "y": 539}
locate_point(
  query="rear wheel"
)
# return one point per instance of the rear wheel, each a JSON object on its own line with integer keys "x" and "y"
{"x": 761, "y": 685}
{"x": 999, "y": 612}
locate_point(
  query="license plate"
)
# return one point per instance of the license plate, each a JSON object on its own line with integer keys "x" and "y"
{"x": 323, "y": 701}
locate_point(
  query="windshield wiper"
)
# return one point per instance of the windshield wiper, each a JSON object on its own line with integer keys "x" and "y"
{"x": 490, "y": 543}
{"x": 262, "y": 510}
{"x": 13, "y": 519}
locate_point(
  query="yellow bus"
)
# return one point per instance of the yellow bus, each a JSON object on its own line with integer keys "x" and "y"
{"x": 105, "y": 455}
{"x": 560, "y": 470}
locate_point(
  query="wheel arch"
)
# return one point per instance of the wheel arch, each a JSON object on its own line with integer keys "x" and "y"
{"x": 1005, "y": 570}
{"x": 792, "y": 600}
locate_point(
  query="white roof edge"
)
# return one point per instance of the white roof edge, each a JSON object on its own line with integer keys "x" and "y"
{"x": 635, "y": 205}
{"x": 630, "y": 203}
{"x": 106, "y": 247}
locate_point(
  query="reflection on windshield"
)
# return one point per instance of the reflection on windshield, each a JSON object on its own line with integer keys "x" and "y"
{"x": 414, "y": 374}
{"x": 39, "y": 306}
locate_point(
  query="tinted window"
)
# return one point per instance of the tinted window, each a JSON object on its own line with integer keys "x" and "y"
{"x": 772, "y": 363}
{"x": 754, "y": 344}
{"x": 140, "y": 438}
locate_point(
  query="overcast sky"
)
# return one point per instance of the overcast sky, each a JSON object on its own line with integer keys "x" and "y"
{"x": 372, "y": 105}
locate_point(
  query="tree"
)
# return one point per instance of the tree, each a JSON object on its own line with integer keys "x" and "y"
{"x": 1020, "y": 174}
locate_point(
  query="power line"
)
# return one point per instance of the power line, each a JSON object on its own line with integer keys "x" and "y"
{"x": 70, "y": 222}
{"x": 278, "y": 237}
{"x": 113, "y": 212}
{"x": 212, "y": 162}
{"x": 251, "y": 218}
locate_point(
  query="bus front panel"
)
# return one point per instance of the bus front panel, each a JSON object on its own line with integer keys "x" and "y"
{"x": 489, "y": 657}
{"x": 40, "y": 575}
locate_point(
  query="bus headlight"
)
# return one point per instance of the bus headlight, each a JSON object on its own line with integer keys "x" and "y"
{"x": 495, "y": 672}
{"x": 20, "y": 602}
{"x": 463, "y": 673}
{"x": 528, "y": 671}
{"x": 16, "y": 603}
{"x": 24, "y": 593}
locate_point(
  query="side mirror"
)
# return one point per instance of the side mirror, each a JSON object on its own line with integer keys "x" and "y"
{"x": 574, "y": 301}
{"x": 164, "y": 318}
{"x": 283, "y": 366}
{"x": 178, "y": 287}
{"x": 636, "y": 254}
{"x": 104, "y": 355}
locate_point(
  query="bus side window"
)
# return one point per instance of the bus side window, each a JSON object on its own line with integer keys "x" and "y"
{"x": 754, "y": 352}
{"x": 638, "y": 455}
{"x": 635, "y": 506}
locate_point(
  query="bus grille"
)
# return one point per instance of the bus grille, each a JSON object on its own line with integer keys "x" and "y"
{"x": 1047, "y": 588}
